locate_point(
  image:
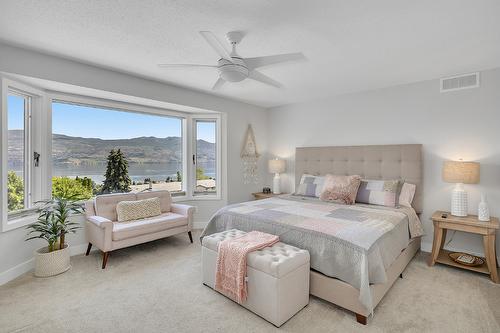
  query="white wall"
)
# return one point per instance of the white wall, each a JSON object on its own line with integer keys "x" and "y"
{"x": 15, "y": 253}
{"x": 461, "y": 124}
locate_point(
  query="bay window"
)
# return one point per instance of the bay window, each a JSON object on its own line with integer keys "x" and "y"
{"x": 56, "y": 144}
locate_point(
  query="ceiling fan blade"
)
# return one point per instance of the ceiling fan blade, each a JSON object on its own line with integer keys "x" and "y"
{"x": 258, "y": 76}
{"x": 216, "y": 45}
{"x": 218, "y": 84}
{"x": 273, "y": 59}
{"x": 186, "y": 65}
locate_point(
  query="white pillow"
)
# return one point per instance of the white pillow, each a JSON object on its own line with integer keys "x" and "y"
{"x": 407, "y": 194}
{"x": 310, "y": 186}
{"x": 138, "y": 209}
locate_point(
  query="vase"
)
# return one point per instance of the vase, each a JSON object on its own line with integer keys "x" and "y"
{"x": 51, "y": 263}
{"x": 483, "y": 212}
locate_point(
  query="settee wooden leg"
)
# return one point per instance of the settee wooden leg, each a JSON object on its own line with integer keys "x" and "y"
{"x": 88, "y": 249}
{"x": 361, "y": 319}
{"x": 105, "y": 256}
{"x": 190, "y": 236}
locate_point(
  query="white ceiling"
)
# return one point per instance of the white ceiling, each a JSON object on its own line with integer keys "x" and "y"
{"x": 350, "y": 45}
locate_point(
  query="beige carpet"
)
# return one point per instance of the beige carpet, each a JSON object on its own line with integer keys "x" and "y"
{"x": 156, "y": 287}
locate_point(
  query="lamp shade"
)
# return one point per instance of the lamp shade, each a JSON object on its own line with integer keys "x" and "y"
{"x": 461, "y": 172}
{"x": 276, "y": 166}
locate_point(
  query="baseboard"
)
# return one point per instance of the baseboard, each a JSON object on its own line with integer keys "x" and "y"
{"x": 28, "y": 265}
{"x": 426, "y": 247}
{"x": 16, "y": 271}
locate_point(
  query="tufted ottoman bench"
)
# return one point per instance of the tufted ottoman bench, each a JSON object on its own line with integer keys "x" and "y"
{"x": 278, "y": 277}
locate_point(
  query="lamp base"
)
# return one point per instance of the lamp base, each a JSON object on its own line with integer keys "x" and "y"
{"x": 459, "y": 201}
{"x": 276, "y": 184}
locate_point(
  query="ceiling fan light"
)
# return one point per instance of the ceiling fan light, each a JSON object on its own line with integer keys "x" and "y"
{"x": 233, "y": 73}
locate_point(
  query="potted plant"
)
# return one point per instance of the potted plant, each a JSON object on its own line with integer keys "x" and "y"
{"x": 53, "y": 225}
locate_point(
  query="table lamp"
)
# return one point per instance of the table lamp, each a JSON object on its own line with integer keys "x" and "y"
{"x": 276, "y": 166}
{"x": 460, "y": 172}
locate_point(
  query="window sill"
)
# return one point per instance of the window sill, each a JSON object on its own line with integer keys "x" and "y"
{"x": 19, "y": 222}
{"x": 206, "y": 198}
{"x": 196, "y": 198}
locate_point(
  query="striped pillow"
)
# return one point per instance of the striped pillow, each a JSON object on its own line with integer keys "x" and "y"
{"x": 379, "y": 192}
{"x": 310, "y": 186}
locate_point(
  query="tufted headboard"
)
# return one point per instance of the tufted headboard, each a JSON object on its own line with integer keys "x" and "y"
{"x": 370, "y": 162}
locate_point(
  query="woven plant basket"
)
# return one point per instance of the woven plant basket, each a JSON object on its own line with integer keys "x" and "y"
{"x": 51, "y": 263}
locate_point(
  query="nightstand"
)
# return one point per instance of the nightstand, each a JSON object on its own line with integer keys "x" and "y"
{"x": 262, "y": 195}
{"x": 468, "y": 224}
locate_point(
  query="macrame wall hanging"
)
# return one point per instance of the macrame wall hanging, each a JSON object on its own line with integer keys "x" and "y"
{"x": 250, "y": 156}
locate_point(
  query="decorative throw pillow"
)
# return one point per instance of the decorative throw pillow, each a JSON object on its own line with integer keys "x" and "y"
{"x": 341, "y": 189}
{"x": 407, "y": 194}
{"x": 379, "y": 192}
{"x": 310, "y": 186}
{"x": 138, "y": 209}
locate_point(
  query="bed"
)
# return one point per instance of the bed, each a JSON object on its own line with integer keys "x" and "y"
{"x": 357, "y": 252}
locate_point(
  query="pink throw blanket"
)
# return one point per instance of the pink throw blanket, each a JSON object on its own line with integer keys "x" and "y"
{"x": 232, "y": 263}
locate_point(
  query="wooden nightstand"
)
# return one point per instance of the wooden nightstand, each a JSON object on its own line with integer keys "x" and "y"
{"x": 262, "y": 195}
{"x": 469, "y": 224}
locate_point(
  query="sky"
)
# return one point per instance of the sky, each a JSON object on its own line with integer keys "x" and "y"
{"x": 91, "y": 122}
{"x": 15, "y": 117}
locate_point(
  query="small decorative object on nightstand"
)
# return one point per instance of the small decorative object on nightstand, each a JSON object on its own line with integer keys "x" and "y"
{"x": 262, "y": 195}
{"x": 483, "y": 212}
{"x": 444, "y": 221}
{"x": 460, "y": 172}
{"x": 466, "y": 259}
{"x": 276, "y": 166}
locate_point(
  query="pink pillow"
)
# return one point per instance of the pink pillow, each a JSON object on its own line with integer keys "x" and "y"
{"x": 341, "y": 189}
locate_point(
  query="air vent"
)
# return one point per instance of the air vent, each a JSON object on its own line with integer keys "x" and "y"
{"x": 459, "y": 82}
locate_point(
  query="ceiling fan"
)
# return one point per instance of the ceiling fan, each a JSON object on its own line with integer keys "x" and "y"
{"x": 232, "y": 67}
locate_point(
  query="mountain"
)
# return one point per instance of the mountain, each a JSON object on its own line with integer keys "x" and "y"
{"x": 91, "y": 151}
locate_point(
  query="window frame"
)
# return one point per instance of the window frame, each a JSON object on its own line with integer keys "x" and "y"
{"x": 218, "y": 143}
{"x": 32, "y": 176}
{"x": 121, "y": 107}
{"x": 27, "y": 149}
{"x": 188, "y": 123}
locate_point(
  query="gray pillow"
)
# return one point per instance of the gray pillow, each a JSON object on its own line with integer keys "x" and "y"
{"x": 379, "y": 192}
{"x": 310, "y": 186}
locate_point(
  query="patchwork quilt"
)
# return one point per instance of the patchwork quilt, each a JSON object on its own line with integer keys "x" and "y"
{"x": 344, "y": 241}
